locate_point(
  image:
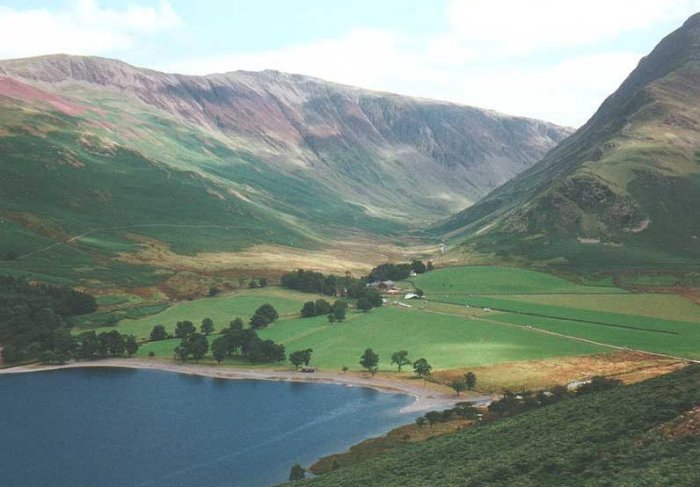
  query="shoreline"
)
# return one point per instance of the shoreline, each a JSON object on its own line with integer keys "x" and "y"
{"x": 425, "y": 398}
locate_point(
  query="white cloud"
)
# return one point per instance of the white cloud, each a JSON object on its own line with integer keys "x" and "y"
{"x": 83, "y": 27}
{"x": 360, "y": 57}
{"x": 494, "y": 54}
{"x": 518, "y": 27}
{"x": 550, "y": 59}
{"x": 568, "y": 92}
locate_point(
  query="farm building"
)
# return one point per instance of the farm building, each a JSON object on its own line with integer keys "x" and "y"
{"x": 383, "y": 286}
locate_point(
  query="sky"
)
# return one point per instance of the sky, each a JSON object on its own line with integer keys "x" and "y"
{"x": 555, "y": 60}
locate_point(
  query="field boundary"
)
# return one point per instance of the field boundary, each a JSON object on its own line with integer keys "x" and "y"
{"x": 575, "y": 320}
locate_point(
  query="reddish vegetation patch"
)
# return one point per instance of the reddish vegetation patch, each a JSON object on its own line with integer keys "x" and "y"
{"x": 627, "y": 366}
{"x": 14, "y": 89}
{"x": 688, "y": 424}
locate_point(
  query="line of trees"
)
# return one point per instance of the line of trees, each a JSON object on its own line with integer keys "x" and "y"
{"x": 92, "y": 346}
{"x": 466, "y": 383}
{"x": 347, "y": 286}
{"x": 335, "y": 312}
{"x": 300, "y": 357}
{"x": 235, "y": 340}
{"x": 398, "y": 272}
{"x": 316, "y": 282}
{"x": 370, "y": 362}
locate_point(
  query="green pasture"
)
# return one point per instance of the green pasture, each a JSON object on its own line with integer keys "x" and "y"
{"x": 221, "y": 309}
{"x": 663, "y": 306}
{"x": 683, "y": 340}
{"x": 492, "y": 279}
{"x": 446, "y": 341}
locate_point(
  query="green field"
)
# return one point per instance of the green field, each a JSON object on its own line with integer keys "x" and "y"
{"x": 658, "y": 323}
{"x": 221, "y": 309}
{"x": 450, "y": 334}
{"x": 682, "y": 341}
{"x": 664, "y": 306}
{"x": 446, "y": 341}
{"x": 492, "y": 280}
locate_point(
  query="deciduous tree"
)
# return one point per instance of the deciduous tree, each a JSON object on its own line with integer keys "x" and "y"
{"x": 207, "y": 326}
{"x": 184, "y": 329}
{"x": 369, "y": 360}
{"x": 400, "y": 358}
{"x": 363, "y": 304}
{"x": 470, "y": 380}
{"x": 422, "y": 368}
{"x": 158, "y": 333}
{"x": 220, "y": 348}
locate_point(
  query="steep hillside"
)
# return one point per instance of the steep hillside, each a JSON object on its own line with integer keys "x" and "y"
{"x": 623, "y": 189}
{"x": 643, "y": 434}
{"x": 226, "y": 161}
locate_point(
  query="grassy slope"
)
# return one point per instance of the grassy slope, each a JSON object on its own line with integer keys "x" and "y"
{"x": 186, "y": 190}
{"x": 607, "y": 438}
{"x": 629, "y": 177}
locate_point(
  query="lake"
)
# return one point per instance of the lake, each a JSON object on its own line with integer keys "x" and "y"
{"x": 128, "y": 427}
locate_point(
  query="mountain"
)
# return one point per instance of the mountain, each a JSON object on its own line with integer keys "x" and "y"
{"x": 623, "y": 190}
{"x": 227, "y": 161}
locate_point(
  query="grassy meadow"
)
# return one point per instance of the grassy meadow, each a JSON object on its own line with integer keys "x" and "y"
{"x": 451, "y": 328}
{"x": 446, "y": 341}
{"x": 221, "y": 309}
{"x": 659, "y": 323}
{"x": 498, "y": 280}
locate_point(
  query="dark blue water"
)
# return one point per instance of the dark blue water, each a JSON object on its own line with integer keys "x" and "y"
{"x": 121, "y": 427}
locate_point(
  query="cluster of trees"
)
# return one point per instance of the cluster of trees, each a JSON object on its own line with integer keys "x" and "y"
{"x": 466, "y": 383}
{"x": 398, "y": 272}
{"x": 335, "y": 312}
{"x": 35, "y": 319}
{"x": 331, "y": 285}
{"x": 263, "y": 316}
{"x": 368, "y": 298}
{"x": 316, "y": 282}
{"x": 233, "y": 340}
{"x": 182, "y": 329}
{"x": 90, "y": 345}
{"x": 300, "y": 357}
{"x": 370, "y": 361}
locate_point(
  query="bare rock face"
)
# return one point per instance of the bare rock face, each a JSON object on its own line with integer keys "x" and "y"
{"x": 437, "y": 157}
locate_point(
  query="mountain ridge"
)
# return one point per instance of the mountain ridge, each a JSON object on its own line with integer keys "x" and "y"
{"x": 287, "y": 117}
{"x": 597, "y": 185}
{"x": 247, "y": 158}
